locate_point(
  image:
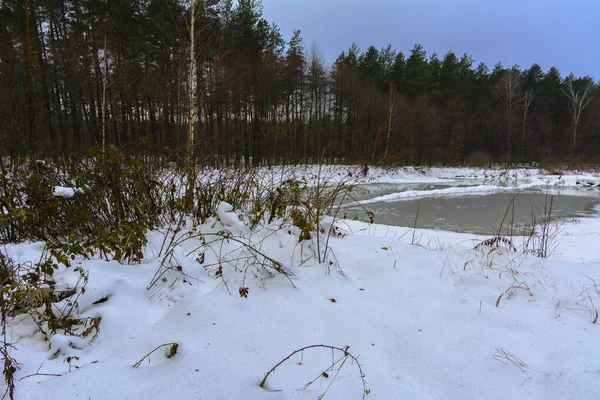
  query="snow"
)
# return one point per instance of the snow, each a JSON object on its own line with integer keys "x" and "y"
{"x": 454, "y": 191}
{"x": 426, "y": 321}
{"x": 229, "y": 219}
{"x": 67, "y": 192}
